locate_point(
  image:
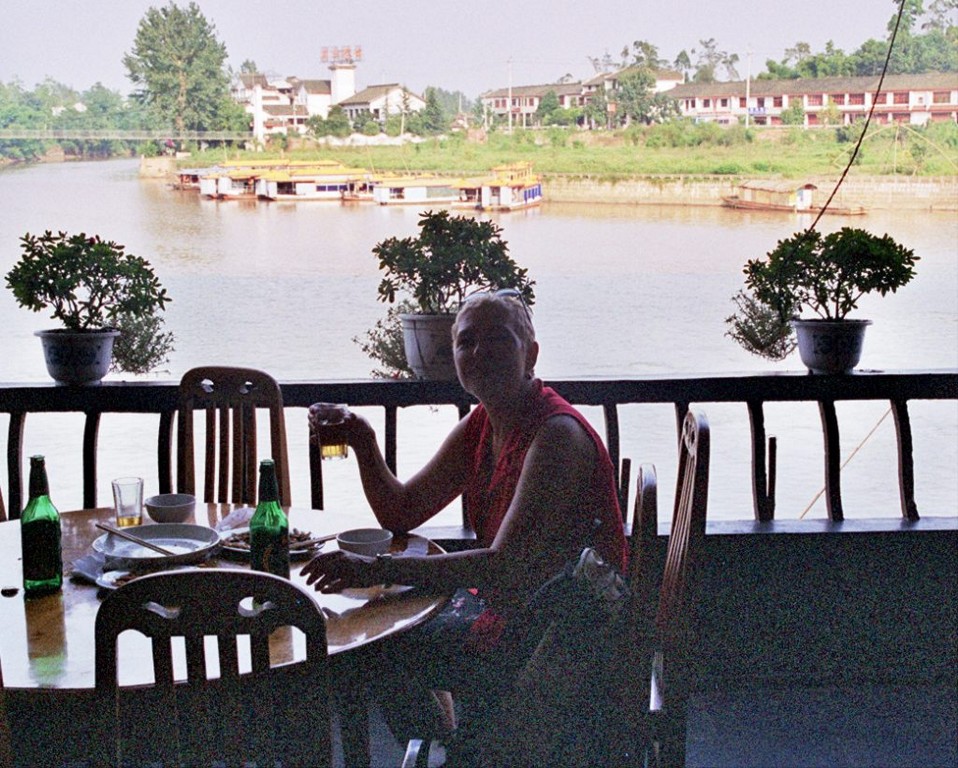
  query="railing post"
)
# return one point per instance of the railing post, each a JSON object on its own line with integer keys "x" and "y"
{"x": 611, "y": 413}
{"x": 906, "y": 459}
{"x": 91, "y": 431}
{"x": 763, "y": 493}
{"x": 164, "y": 452}
{"x": 14, "y": 464}
{"x": 391, "y": 437}
{"x": 833, "y": 458}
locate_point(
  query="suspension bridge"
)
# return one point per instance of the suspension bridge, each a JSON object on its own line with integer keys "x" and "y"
{"x": 115, "y": 134}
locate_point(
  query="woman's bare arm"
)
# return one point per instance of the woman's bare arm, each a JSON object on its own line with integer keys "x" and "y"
{"x": 398, "y": 505}
{"x": 547, "y": 523}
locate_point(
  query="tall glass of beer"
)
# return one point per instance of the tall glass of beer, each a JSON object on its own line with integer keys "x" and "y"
{"x": 326, "y": 425}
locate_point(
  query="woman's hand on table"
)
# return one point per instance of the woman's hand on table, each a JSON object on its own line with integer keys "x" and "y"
{"x": 336, "y": 571}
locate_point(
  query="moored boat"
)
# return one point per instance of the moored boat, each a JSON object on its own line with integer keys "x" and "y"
{"x": 411, "y": 190}
{"x": 512, "y": 187}
{"x": 329, "y": 183}
{"x": 786, "y": 196}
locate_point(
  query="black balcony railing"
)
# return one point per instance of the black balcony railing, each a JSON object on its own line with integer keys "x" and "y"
{"x": 754, "y": 391}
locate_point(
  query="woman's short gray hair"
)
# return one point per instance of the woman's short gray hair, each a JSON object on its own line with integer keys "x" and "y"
{"x": 519, "y": 314}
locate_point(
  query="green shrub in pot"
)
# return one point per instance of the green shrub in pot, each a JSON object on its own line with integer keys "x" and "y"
{"x": 97, "y": 291}
{"x": 825, "y": 275}
{"x": 451, "y": 257}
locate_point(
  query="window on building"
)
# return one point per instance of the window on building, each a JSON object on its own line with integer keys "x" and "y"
{"x": 940, "y": 97}
{"x": 856, "y": 99}
{"x": 742, "y": 102}
{"x": 816, "y": 99}
{"x": 838, "y": 98}
{"x": 760, "y": 102}
{"x": 777, "y": 102}
{"x": 706, "y": 103}
{"x": 723, "y": 103}
{"x": 901, "y": 97}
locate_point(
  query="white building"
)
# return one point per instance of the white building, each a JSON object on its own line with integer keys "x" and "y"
{"x": 382, "y": 101}
{"x": 284, "y": 105}
{"x": 913, "y": 99}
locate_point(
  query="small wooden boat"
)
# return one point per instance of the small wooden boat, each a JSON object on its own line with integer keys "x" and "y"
{"x": 784, "y": 196}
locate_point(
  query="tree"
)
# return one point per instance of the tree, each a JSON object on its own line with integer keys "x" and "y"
{"x": 178, "y": 64}
{"x": 548, "y": 105}
{"x": 683, "y": 63}
{"x": 644, "y": 54}
{"x": 793, "y": 114}
{"x": 433, "y": 118}
{"x": 248, "y": 67}
{"x": 337, "y": 123}
{"x": 634, "y": 95}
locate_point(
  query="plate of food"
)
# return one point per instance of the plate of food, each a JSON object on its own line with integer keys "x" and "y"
{"x": 302, "y": 544}
{"x": 188, "y": 543}
{"x": 116, "y": 579}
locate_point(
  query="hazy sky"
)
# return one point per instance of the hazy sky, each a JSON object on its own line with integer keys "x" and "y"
{"x": 453, "y": 45}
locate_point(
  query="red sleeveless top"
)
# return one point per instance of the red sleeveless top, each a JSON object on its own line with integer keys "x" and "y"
{"x": 491, "y": 485}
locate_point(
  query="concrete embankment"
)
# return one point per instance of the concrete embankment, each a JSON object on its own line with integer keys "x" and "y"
{"x": 872, "y": 192}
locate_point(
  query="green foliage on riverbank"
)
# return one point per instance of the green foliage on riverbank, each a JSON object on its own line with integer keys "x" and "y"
{"x": 678, "y": 148}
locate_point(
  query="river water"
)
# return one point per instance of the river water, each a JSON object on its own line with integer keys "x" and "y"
{"x": 621, "y": 291}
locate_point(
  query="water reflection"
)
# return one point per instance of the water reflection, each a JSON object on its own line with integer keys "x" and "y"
{"x": 622, "y": 290}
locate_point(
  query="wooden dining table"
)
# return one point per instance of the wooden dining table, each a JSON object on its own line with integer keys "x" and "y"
{"x": 47, "y": 643}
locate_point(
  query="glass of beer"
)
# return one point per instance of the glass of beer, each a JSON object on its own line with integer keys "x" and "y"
{"x": 128, "y": 501}
{"x": 326, "y": 424}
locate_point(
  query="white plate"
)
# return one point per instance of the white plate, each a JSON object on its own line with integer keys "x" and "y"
{"x": 294, "y": 554}
{"x": 109, "y": 579}
{"x": 190, "y": 543}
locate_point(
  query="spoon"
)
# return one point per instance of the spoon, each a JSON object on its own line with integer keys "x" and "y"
{"x": 135, "y": 539}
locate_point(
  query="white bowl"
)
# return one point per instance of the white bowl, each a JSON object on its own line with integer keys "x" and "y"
{"x": 365, "y": 541}
{"x": 170, "y": 507}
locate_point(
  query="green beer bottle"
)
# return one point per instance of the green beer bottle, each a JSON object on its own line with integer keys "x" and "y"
{"x": 40, "y": 536}
{"x": 269, "y": 528}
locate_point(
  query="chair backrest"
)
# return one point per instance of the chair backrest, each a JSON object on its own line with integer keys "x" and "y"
{"x": 688, "y": 523}
{"x": 6, "y": 750}
{"x": 230, "y": 398}
{"x": 228, "y": 705}
{"x": 672, "y": 674}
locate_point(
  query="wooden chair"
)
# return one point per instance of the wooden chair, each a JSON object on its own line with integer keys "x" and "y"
{"x": 267, "y": 714}
{"x": 230, "y": 397}
{"x": 669, "y": 681}
{"x": 6, "y": 750}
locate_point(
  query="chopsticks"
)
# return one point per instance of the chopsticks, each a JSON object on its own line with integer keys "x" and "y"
{"x": 135, "y": 539}
{"x": 313, "y": 542}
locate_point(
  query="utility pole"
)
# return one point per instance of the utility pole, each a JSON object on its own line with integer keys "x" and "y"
{"x": 748, "y": 83}
{"x": 509, "y": 103}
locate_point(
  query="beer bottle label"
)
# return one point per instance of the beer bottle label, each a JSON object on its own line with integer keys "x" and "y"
{"x": 41, "y": 550}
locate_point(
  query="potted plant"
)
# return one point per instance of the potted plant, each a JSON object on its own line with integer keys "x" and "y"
{"x": 99, "y": 293}
{"x": 452, "y": 257}
{"x": 827, "y": 275}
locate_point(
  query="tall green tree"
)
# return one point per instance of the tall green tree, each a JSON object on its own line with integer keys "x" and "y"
{"x": 433, "y": 118}
{"x": 179, "y": 67}
{"x": 548, "y": 105}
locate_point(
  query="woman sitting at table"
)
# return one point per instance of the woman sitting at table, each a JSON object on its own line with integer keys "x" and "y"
{"x": 538, "y": 486}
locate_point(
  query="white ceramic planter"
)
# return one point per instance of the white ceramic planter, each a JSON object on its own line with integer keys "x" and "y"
{"x": 77, "y": 357}
{"x": 428, "y": 344}
{"x": 830, "y": 346}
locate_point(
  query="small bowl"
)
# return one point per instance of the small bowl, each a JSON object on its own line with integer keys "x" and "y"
{"x": 170, "y": 507}
{"x": 365, "y": 541}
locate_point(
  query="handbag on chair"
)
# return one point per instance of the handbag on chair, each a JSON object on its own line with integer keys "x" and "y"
{"x": 561, "y": 710}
